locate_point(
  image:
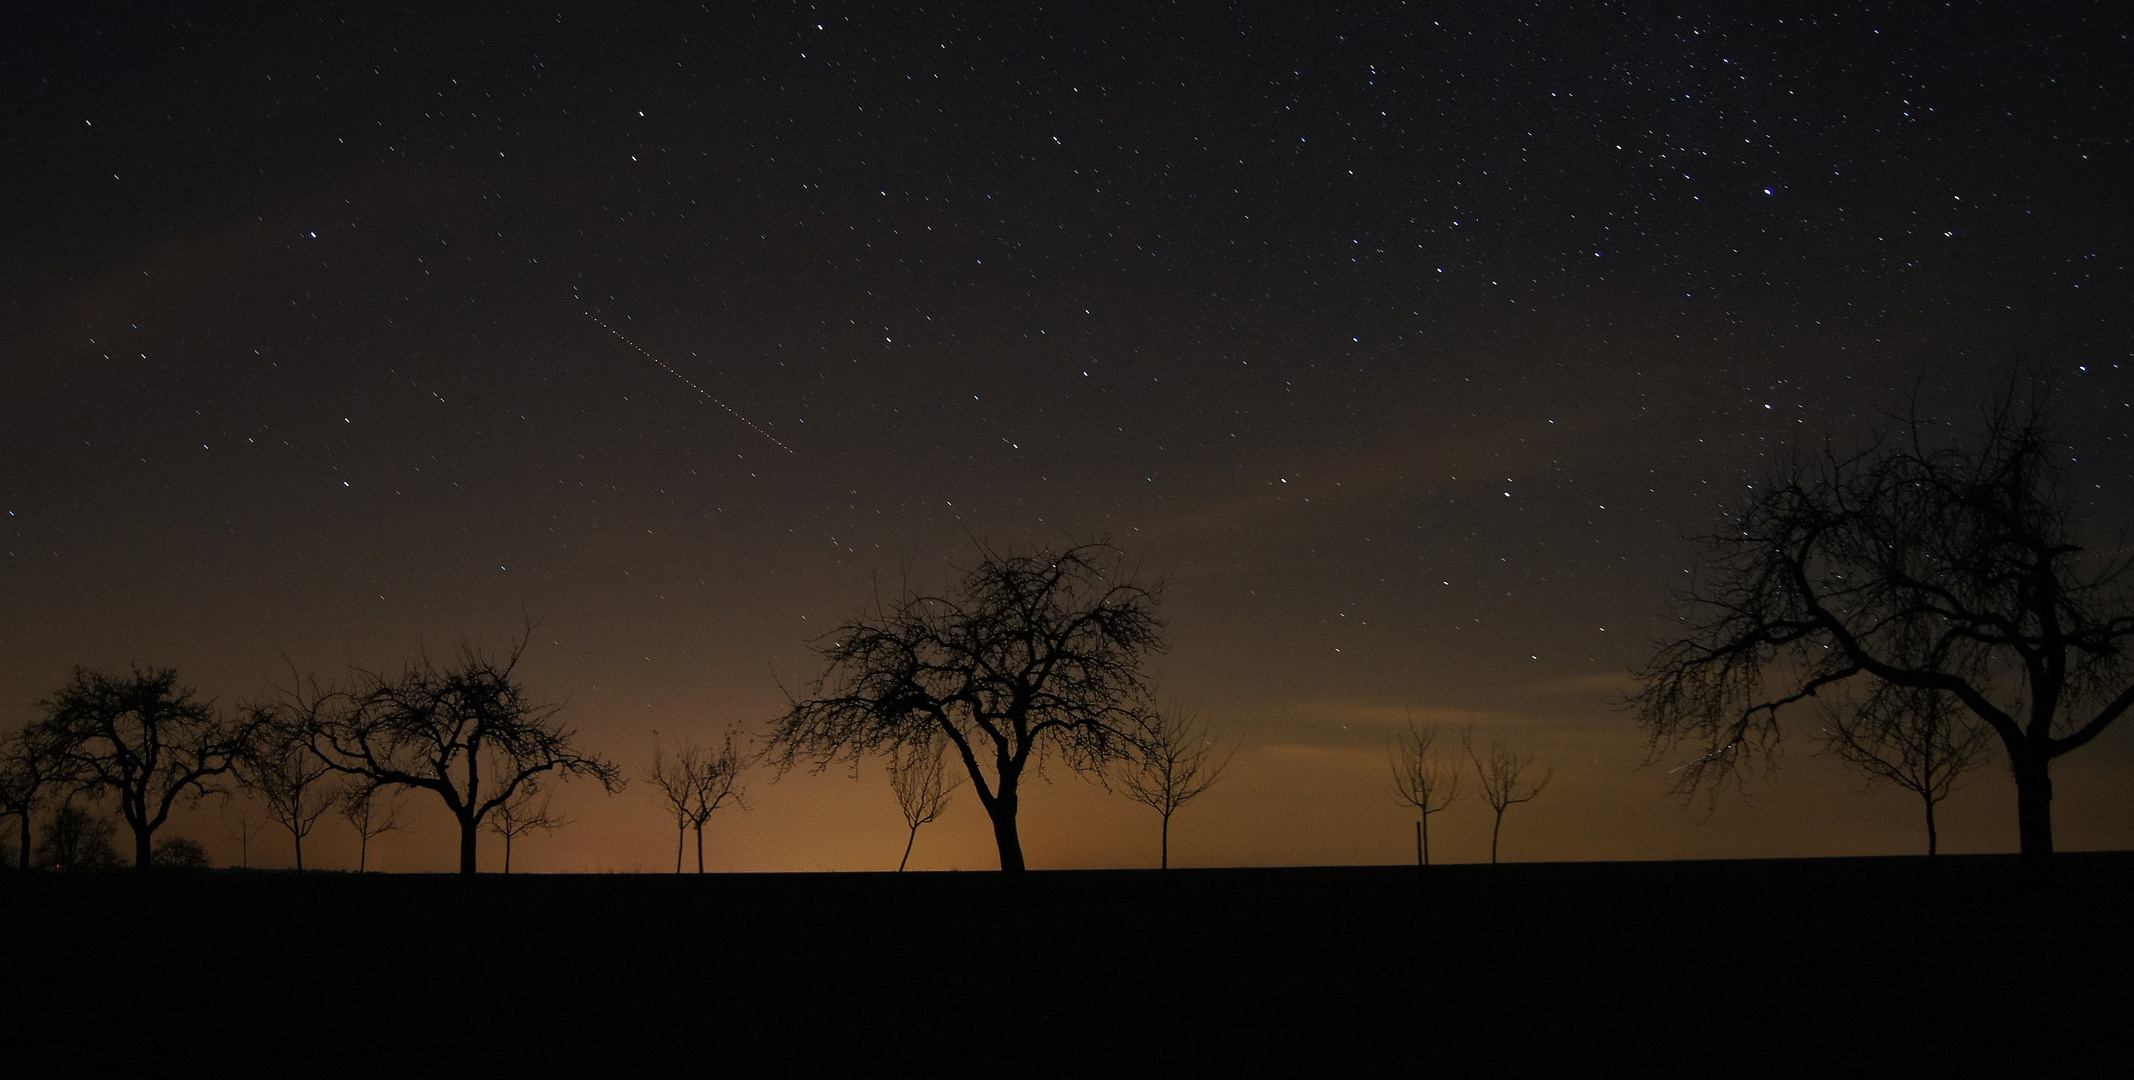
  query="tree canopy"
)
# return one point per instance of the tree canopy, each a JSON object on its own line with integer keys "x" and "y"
{"x": 1033, "y": 655}
{"x": 144, "y": 739}
{"x": 1922, "y": 562}
{"x": 466, "y": 731}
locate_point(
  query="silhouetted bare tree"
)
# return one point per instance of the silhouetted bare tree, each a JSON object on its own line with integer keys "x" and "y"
{"x": 29, "y": 771}
{"x": 241, "y": 819}
{"x": 922, "y": 784}
{"x": 1950, "y": 568}
{"x": 372, "y": 811}
{"x": 292, "y": 781}
{"x": 1920, "y": 740}
{"x": 693, "y": 783}
{"x": 180, "y": 853}
{"x": 1173, "y": 761}
{"x": 673, "y": 780}
{"x": 146, "y": 740}
{"x": 1422, "y": 780}
{"x": 521, "y": 814}
{"x": 76, "y": 838}
{"x": 718, "y": 780}
{"x": 466, "y": 732}
{"x": 1503, "y": 774}
{"x": 1032, "y": 655}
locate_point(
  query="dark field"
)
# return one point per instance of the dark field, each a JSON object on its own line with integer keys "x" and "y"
{"x": 1855, "y": 966}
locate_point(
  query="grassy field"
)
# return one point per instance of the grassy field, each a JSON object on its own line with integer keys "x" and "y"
{"x": 1832, "y": 967}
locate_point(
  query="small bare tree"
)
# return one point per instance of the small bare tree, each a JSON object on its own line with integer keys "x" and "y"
{"x": 520, "y": 814}
{"x": 1920, "y": 740}
{"x": 77, "y": 838}
{"x": 372, "y": 811}
{"x": 693, "y": 783}
{"x": 242, "y": 821}
{"x": 718, "y": 780}
{"x": 1423, "y": 780}
{"x": 1503, "y": 772}
{"x": 29, "y": 771}
{"x": 674, "y": 783}
{"x": 290, "y": 779}
{"x": 1174, "y": 760}
{"x": 918, "y": 776}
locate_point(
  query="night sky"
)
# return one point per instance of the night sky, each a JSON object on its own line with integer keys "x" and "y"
{"x": 1406, "y": 345}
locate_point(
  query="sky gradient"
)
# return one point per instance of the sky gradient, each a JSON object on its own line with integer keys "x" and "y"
{"x": 1405, "y": 346}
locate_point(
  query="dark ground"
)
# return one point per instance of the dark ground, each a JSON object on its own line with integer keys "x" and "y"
{"x": 1829, "y": 967}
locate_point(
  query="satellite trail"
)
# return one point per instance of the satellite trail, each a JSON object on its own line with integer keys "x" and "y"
{"x": 686, "y": 382}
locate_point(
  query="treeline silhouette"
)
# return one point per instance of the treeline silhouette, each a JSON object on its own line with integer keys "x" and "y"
{"x": 1924, "y": 597}
{"x": 464, "y": 730}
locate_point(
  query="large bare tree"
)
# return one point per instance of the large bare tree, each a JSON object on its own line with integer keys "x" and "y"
{"x": 1920, "y": 740}
{"x": 919, "y": 778}
{"x": 1422, "y": 779}
{"x": 466, "y": 732}
{"x": 1924, "y": 562}
{"x": 1033, "y": 655}
{"x": 1175, "y": 758}
{"x": 1502, "y": 771}
{"x": 693, "y": 782}
{"x": 144, "y": 740}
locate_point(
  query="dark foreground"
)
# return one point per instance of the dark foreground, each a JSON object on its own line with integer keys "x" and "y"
{"x": 1852, "y": 967}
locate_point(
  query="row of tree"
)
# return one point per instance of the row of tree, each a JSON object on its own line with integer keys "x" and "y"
{"x": 1429, "y": 782}
{"x": 1927, "y": 595}
{"x": 148, "y": 744}
{"x": 1922, "y": 597}
{"x": 463, "y": 730}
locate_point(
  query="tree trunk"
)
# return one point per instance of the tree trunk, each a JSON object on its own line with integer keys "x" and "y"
{"x": 1419, "y": 856}
{"x": 363, "y": 853}
{"x": 1932, "y": 838}
{"x": 1423, "y": 827}
{"x": 1493, "y": 831}
{"x": 24, "y": 857}
{"x": 907, "y": 849}
{"x": 1166, "y": 863}
{"x": 700, "y": 849}
{"x": 299, "y": 852}
{"x": 681, "y": 841}
{"x": 1002, "y": 811}
{"x": 507, "y": 853}
{"x": 468, "y": 833}
{"x": 2033, "y": 809}
{"x": 143, "y": 851}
